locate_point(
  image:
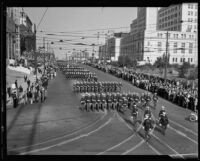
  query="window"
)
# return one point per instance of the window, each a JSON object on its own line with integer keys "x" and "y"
{"x": 176, "y": 59}
{"x": 191, "y": 59}
{"x": 183, "y": 48}
{"x": 188, "y": 5}
{"x": 159, "y": 44}
{"x": 191, "y": 6}
{"x": 191, "y": 13}
{"x": 188, "y": 13}
{"x": 195, "y": 13}
{"x": 181, "y": 60}
{"x": 188, "y": 60}
{"x": 195, "y": 6}
{"x": 175, "y": 47}
{"x": 173, "y": 59}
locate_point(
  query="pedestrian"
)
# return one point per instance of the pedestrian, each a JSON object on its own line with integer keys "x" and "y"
{"x": 15, "y": 99}
{"x": 28, "y": 83}
{"x": 16, "y": 84}
{"x": 9, "y": 91}
{"x": 32, "y": 85}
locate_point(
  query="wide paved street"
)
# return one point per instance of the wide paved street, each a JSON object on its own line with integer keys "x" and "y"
{"x": 57, "y": 126}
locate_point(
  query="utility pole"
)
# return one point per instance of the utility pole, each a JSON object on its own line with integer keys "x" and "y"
{"x": 166, "y": 57}
{"x": 34, "y": 51}
{"x": 44, "y": 52}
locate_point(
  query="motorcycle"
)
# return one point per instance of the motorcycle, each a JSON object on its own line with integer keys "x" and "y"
{"x": 193, "y": 117}
{"x": 163, "y": 123}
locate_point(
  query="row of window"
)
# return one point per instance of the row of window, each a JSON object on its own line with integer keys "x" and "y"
{"x": 159, "y": 44}
{"x": 174, "y": 9}
{"x": 169, "y": 17}
{"x": 182, "y": 60}
{"x": 192, "y": 20}
{"x": 176, "y": 36}
{"x": 191, "y": 6}
{"x": 190, "y": 13}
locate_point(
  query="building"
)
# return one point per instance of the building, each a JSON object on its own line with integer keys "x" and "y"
{"x": 133, "y": 43}
{"x": 182, "y": 46}
{"x": 111, "y": 49}
{"x": 182, "y": 17}
{"x": 147, "y": 38}
{"x": 27, "y": 34}
{"x": 10, "y": 33}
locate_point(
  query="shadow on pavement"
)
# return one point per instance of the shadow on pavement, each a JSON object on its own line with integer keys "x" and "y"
{"x": 19, "y": 110}
{"x": 34, "y": 128}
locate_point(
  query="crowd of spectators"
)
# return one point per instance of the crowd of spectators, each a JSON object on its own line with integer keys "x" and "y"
{"x": 178, "y": 92}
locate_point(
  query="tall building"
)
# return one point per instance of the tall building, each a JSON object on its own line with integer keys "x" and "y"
{"x": 10, "y": 33}
{"x": 111, "y": 50}
{"x": 27, "y": 34}
{"x": 182, "y": 17}
{"x": 147, "y": 38}
{"x": 17, "y": 11}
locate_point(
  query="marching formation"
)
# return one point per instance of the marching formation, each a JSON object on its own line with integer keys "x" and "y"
{"x": 103, "y": 96}
{"x": 76, "y": 72}
{"x": 92, "y": 86}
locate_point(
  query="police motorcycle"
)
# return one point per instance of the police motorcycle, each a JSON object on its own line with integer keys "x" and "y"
{"x": 147, "y": 126}
{"x": 193, "y": 117}
{"x": 155, "y": 100}
{"x": 163, "y": 120}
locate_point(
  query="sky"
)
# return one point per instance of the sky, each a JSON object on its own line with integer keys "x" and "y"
{"x": 76, "y": 21}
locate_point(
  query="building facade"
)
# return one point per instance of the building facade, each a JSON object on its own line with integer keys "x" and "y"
{"x": 182, "y": 17}
{"x": 147, "y": 38}
{"x": 10, "y": 33}
{"x": 27, "y": 34}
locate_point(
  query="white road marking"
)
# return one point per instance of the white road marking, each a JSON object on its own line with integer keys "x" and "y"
{"x": 185, "y": 154}
{"x": 68, "y": 141}
{"x": 141, "y": 137}
{"x": 113, "y": 147}
{"x": 186, "y": 129}
{"x": 157, "y": 152}
{"x": 117, "y": 145}
{"x": 183, "y": 134}
{"x": 167, "y": 146}
{"x": 61, "y": 136}
{"x": 136, "y": 146}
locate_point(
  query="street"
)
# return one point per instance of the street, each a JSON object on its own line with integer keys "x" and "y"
{"x": 58, "y": 127}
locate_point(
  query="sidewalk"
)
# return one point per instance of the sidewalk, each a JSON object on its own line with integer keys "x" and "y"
{"x": 19, "y": 76}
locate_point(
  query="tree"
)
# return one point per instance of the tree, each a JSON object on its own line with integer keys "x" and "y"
{"x": 184, "y": 69}
{"x": 159, "y": 63}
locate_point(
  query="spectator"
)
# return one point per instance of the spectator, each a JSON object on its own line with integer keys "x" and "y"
{"x": 28, "y": 83}
{"x": 9, "y": 91}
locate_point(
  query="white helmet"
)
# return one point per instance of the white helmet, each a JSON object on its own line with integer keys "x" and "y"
{"x": 163, "y": 107}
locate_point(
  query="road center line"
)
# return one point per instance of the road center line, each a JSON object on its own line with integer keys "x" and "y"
{"x": 68, "y": 141}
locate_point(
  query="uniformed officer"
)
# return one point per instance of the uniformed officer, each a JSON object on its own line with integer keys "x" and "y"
{"x": 147, "y": 112}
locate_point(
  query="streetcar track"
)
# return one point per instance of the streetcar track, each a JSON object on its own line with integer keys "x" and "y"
{"x": 61, "y": 137}
{"x": 69, "y": 140}
{"x": 122, "y": 142}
